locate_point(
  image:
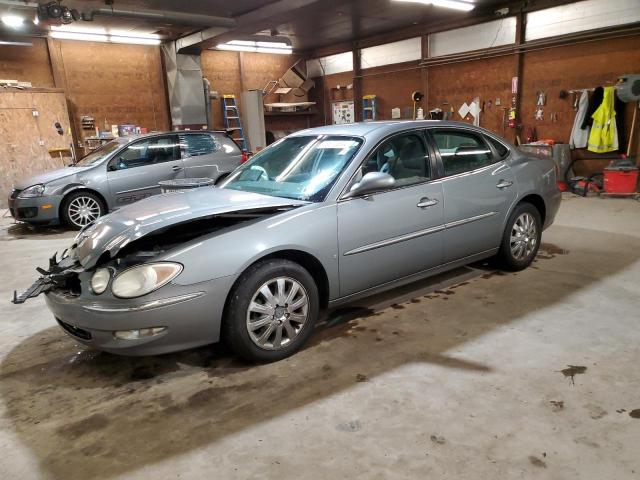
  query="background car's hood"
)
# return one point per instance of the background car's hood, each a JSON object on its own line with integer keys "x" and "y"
{"x": 48, "y": 176}
{"x": 112, "y": 232}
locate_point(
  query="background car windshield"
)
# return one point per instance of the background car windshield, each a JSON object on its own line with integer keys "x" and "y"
{"x": 304, "y": 168}
{"x": 97, "y": 155}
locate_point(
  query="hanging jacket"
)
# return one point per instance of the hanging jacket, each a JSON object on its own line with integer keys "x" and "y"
{"x": 604, "y": 134}
{"x": 594, "y": 102}
{"x": 579, "y": 137}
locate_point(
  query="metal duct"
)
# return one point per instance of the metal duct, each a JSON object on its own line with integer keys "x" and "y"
{"x": 185, "y": 87}
{"x": 207, "y": 102}
{"x": 164, "y": 17}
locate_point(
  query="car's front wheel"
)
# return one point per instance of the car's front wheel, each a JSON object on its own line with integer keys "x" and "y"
{"x": 81, "y": 208}
{"x": 272, "y": 311}
{"x": 521, "y": 238}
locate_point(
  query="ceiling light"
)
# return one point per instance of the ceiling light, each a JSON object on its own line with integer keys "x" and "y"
{"x": 13, "y": 21}
{"x": 16, "y": 44}
{"x": 464, "y": 5}
{"x": 101, "y": 35}
{"x": 88, "y": 37}
{"x": 256, "y": 46}
{"x": 134, "y": 40}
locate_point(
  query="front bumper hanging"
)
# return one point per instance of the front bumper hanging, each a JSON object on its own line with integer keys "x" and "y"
{"x": 56, "y": 276}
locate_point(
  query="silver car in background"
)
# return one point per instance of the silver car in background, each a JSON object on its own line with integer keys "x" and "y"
{"x": 122, "y": 171}
{"x": 317, "y": 219}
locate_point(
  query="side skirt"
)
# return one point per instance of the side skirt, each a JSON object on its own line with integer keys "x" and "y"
{"x": 413, "y": 277}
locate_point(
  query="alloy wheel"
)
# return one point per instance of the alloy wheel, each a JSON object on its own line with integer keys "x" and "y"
{"x": 524, "y": 237}
{"x": 83, "y": 210}
{"x": 277, "y": 313}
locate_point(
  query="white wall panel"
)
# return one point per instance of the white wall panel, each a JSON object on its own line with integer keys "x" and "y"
{"x": 389, "y": 53}
{"x": 580, "y": 16}
{"x": 476, "y": 37}
{"x": 341, "y": 62}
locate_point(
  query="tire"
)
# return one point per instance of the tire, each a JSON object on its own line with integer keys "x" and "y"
{"x": 250, "y": 317}
{"x": 518, "y": 251}
{"x": 81, "y": 208}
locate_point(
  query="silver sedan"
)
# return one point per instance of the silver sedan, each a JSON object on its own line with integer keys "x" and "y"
{"x": 123, "y": 171}
{"x": 318, "y": 219}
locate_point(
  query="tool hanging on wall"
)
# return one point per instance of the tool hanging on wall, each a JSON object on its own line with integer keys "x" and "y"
{"x": 540, "y": 103}
{"x": 416, "y": 97}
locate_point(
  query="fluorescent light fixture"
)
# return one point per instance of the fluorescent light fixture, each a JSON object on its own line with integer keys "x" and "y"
{"x": 13, "y": 21}
{"x": 101, "y": 35}
{"x": 16, "y": 44}
{"x": 87, "y": 37}
{"x": 463, "y": 5}
{"x": 256, "y": 47}
{"x": 134, "y": 40}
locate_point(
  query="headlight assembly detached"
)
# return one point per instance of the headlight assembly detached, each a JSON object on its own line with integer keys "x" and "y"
{"x": 32, "y": 191}
{"x": 143, "y": 279}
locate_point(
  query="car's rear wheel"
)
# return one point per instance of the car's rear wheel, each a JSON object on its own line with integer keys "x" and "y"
{"x": 521, "y": 238}
{"x": 272, "y": 311}
{"x": 81, "y": 208}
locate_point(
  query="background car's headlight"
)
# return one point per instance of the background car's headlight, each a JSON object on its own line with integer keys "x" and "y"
{"x": 100, "y": 280}
{"x": 32, "y": 191}
{"x": 143, "y": 279}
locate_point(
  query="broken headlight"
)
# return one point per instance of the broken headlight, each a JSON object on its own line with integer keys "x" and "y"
{"x": 143, "y": 279}
{"x": 100, "y": 280}
{"x": 32, "y": 191}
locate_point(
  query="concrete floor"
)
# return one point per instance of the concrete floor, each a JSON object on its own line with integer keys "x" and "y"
{"x": 469, "y": 381}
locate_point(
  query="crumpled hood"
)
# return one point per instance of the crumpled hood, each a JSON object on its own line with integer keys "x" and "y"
{"x": 49, "y": 176}
{"x": 114, "y": 231}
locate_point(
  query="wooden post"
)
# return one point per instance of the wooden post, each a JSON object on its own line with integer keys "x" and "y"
{"x": 357, "y": 83}
{"x": 520, "y": 38}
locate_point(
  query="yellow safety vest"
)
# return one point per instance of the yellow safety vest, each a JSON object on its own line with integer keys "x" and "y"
{"x": 603, "y": 134}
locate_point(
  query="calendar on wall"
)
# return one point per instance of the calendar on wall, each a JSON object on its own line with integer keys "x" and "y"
{"x": 343, "y": 112}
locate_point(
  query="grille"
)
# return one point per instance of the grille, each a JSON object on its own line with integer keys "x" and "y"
{"x": 74, "y": 331}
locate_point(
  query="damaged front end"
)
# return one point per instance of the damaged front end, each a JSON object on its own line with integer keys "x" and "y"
{"x": 61, "y": 275}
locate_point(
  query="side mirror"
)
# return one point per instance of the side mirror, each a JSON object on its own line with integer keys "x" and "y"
{"x": 371, "y": 182}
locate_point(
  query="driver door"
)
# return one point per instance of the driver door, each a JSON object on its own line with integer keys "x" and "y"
{"x": 395, "y": 233}
{"x": 134, "y": 173}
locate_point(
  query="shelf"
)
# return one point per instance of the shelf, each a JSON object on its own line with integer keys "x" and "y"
{"x": 298, "y": 113}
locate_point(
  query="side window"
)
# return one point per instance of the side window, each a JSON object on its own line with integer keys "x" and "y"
{"x": 148, "y": 152}
{"x": 196, "y": 144}
{"x": 461, "y": 151}
{"x": 403, "y": 157}
{"x": 502, "y": 150}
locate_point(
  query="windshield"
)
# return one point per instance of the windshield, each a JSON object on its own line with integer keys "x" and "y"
{"x": 97, "y": 155}
{"x": 303, "y": 168}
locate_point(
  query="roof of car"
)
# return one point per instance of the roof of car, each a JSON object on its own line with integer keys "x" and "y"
{"x": 387, "y": 126}
{"x": 136, "y": 136}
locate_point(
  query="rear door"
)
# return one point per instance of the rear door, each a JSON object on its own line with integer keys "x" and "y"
{"x": 134, "y": 173}
{"x": 478, "y": 187}
{"x": 394, "y": 233}
{"x": 208, "y": 154}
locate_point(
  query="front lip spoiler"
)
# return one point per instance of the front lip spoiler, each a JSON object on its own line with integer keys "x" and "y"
{"x": 163, "y": 302}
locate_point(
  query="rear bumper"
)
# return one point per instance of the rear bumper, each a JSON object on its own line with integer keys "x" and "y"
{"x": 191, "y": 316}
{"x": 37, "y": 210}
{"x": 552, "y": 205}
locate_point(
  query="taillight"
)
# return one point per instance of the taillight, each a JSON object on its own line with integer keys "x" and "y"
{"x": 245, "y": 157}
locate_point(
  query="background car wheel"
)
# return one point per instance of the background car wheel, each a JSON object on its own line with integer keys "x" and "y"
{"x": 272, "y": 311}
{"x": 81, "y": 208}
{"x": 521, "y": 238}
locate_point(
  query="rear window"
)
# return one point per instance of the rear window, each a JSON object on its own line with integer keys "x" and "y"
{"x": 502, "y": 150}
{"x": 196, "y": 144}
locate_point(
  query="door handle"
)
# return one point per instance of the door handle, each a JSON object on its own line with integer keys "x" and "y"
{"x": 176, "y": 168}
{"x": 504, "y": 184}
{"x": 427, "y": 202}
